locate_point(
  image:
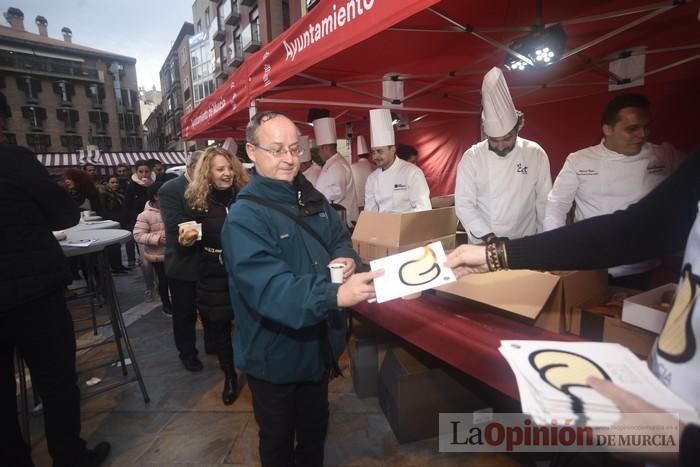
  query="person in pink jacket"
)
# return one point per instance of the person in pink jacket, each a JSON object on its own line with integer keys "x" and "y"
{"x": 149, "y": 231}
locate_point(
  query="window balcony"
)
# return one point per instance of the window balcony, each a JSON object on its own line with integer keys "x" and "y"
{"x": 232, "y": 14}
{"x": 250, "y": 38}
{"x": 234, "y": 56}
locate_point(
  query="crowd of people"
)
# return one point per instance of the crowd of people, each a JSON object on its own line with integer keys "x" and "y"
{"x": 248, "y": 252}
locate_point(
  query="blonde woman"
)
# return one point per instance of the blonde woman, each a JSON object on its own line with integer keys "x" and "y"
{"x": 217, "y": 179}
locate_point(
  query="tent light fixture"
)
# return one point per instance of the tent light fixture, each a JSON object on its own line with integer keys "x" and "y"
{"x": 542, "y": 46}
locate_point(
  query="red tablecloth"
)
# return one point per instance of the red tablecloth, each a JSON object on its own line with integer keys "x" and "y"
{"x": 461, "y": 335}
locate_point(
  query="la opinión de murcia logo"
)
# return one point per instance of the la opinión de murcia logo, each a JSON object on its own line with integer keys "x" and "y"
{"x": 337, "y": 19}
{"x": 459, "y": 432}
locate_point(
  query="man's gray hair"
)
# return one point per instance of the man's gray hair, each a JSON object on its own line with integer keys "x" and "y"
{"x": 251, "y": 131}
{"x": 193, "y": 158}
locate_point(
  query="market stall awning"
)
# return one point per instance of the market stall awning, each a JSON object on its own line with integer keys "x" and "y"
{"x": 108, "y": 159}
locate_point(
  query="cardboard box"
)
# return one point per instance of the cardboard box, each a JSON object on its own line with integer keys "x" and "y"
{"x": 605, "y": 327}
{"x": 380, "y": 234}
{"x": 544, "y": 299}
{"x": 415, "y": 388}
{"x": 638, "y": 310}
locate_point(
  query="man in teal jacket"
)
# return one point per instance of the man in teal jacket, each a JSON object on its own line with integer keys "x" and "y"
{"x": 290, "y": 330}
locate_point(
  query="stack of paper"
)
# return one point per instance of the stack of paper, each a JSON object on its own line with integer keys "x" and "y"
{"x": 551, "y": 379}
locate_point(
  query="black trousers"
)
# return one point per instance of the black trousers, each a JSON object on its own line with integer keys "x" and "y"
{"x": 184, "y": 307}
{"x": 217, "y": 334}
{"x": 163, "y": 289}
{"x": 42, "y": 333}
{"x": 114, "y": 253}
{"x": 289, "y": 412}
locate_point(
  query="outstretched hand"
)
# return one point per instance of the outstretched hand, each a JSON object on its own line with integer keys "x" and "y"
{"x": 358, "y": 288}
{"x": 467, "y": 259}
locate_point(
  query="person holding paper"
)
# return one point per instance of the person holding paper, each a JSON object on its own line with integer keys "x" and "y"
{"x": 661, "y": 223}
{"x": 502, "y": 181}
{"x": 335, "y": 180}
{"x": 396, "y": 185}
{"x": 219, "y": 176}
{"x": 278, "y": 240}
{"x": 613, "y": 174}
{"x": 308, "y": 167}
{"x": 181, "y": 265}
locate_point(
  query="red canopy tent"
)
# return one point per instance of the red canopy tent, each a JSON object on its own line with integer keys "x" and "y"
{"x": 339, "y": 56}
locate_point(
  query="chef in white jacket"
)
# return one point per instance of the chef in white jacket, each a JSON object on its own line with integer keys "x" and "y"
{"x": 335, "y": 180}
{"x": 622, "y": 169}
{"x": 361, "y": 170}
{"x": 502, "y": 181}
{"x": 308, "y": 167}
{"x": 396, "y": 185}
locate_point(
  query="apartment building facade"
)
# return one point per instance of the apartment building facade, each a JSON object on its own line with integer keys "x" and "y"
{"x": 64, "y": 96}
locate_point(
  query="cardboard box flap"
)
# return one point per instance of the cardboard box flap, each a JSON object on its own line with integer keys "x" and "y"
{"x": 395, "y": 229}
{"x": 524, "y": 293}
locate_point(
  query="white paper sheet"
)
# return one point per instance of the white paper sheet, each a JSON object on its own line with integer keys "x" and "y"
{"x": 411, "y": 271}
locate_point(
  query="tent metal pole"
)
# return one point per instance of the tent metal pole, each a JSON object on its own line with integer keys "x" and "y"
{"x": 488, "y": 40}
{"x": 614, "y": 14}
{"x": 356, "y": 105}
{"x": 615, "y": 32}
{"x": 666, "y": 67}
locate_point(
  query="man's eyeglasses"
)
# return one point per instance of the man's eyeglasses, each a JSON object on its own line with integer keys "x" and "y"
{"x": 294, "y": 151}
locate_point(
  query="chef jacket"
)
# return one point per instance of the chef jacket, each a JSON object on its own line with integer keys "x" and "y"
{"x": 504, "y": 195}
{"x": 400, "y": 188}
{"x": 360, "y": 171}
{"x": 312, "y": 173}
{"x": 602, "y": 181}
{"x": 337, "y": 185}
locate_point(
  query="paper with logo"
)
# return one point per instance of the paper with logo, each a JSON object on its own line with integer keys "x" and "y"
{"x": 411, "y": 271}
{"x": 551, "y": 379}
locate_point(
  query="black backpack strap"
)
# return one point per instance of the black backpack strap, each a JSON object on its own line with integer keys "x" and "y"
{"x": 324, "y": 340}
{"x": 292, "y": 216}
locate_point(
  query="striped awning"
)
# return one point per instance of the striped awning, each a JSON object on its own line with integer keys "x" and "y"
{"x": 108, "y": 159}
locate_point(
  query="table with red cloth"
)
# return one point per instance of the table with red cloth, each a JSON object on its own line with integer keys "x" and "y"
{"x": 461, "y": 335}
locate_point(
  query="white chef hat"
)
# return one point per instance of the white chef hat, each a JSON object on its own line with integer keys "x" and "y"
{"x": 230, "y": 145}
{"x": 324, "y": 131}
{"x": 304, "y": 144}
{"x": 361, "y": 145}
{"x": 381, "y": 128}
{"x": 498, "y": 116}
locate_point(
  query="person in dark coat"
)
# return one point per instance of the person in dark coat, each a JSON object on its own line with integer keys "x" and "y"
{"x": 83, "y": 190}
{"x": 113, "y": 209}
{"x": 34, "y": 319}
{"x": 181, "y": 266}
{"x": 218, "y": 178}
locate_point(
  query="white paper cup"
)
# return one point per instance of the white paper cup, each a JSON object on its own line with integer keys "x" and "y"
{"x": 337, "y": 270}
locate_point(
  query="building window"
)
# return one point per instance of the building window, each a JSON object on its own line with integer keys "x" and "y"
{"x": 207, "y": 18}
{"x": 96, "y": 93}
{"x": 129, "y": 98}
{"x": 72, "y": 142}
{"x": 70, "y": 118}
{"x": 285, "y": 14}
{"x": 11, "y": 138}
{"x": 100, "y": 120}
{"x": 132, "y": 143}
{"x": 129, "y": 122}
{"x": 31, "y": 88}
{"x": 65, "y": 92}
{"x": 40, "y": 143}
{"x": 104, "y": 143}
{"x": 35, "y": 115}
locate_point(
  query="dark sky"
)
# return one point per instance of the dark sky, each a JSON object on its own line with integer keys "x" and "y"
{"x": 143, "y": 29}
